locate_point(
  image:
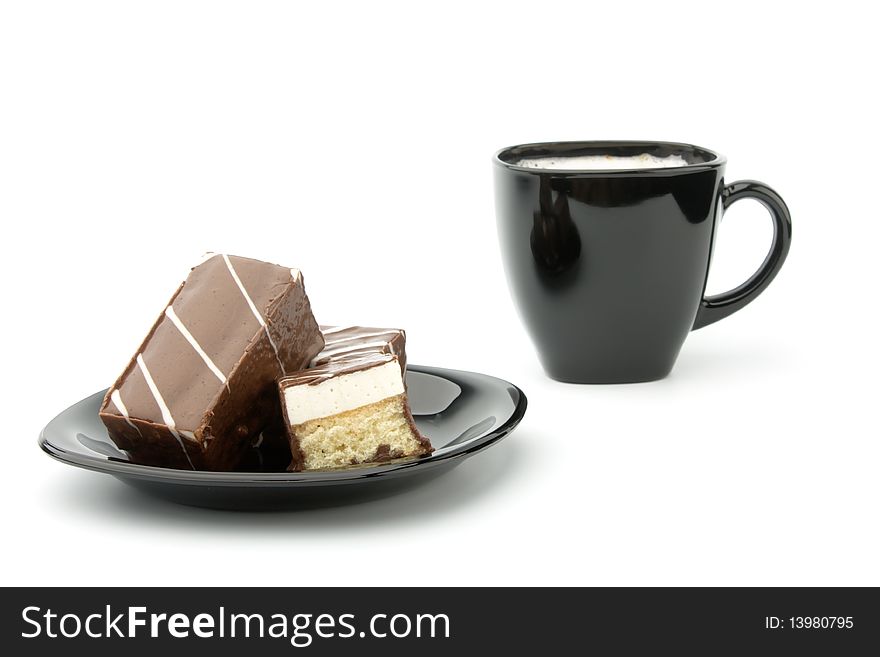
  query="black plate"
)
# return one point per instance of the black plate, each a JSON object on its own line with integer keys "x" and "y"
{"x": 461, "y": 412}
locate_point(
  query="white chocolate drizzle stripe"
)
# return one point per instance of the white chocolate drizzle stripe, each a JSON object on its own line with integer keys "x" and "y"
{"x": 360, "y": 336}
{"x": 170, "y": 314}
{"x": 166, "y": 412}
{"x": 335, "y": 329}
{"x": 116, "y": 398}
{"x": 341, "y": 348}
{"x": 254, "y": 310}
{"x": 247, "y": 297}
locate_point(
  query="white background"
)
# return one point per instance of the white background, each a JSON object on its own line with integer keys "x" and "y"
{"x": 354, "y": 141}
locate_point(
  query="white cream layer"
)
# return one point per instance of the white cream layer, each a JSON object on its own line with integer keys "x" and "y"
{"x": 344, "y": 392}
{"x": 603, "y": 162}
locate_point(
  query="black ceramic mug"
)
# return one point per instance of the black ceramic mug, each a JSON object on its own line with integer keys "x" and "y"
{"x": 608, "y": 266}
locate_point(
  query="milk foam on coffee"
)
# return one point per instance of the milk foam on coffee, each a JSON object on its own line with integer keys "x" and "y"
{"x": 603, "y": 162}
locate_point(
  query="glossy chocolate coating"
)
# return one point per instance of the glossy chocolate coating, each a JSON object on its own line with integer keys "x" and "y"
{"x": 346, "y": 341}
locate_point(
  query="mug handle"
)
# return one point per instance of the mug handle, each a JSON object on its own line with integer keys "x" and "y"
{"x": 720, "y": 306}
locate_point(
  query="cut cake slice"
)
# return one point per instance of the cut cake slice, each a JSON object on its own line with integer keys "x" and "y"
{"x": 351, "y": 406}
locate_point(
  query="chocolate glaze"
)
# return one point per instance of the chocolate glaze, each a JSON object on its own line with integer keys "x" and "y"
{"x": 270, "y": 450}
{"x": 215, "y": 420}
{"x": 344, "y": 341}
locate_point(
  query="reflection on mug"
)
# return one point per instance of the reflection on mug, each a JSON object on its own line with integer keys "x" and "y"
{"x": 555, "y": 242}
{"x": 692, "y": 193}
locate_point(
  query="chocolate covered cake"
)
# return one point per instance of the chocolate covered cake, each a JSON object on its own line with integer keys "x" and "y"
{"x": 202, "y": 386}
{"x": 350, "y": 407}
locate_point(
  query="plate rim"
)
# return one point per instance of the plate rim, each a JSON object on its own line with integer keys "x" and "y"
{"x": 206, "y": 477}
